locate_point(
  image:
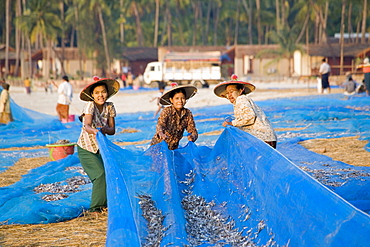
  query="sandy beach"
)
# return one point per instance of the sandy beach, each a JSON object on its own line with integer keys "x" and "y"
{"x": 129, "y": 101}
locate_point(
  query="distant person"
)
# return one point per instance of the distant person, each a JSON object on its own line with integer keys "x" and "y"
{"x": 158, "y": 98}
{"x": 98, "y": 115}
{"x": 5, "y": 111}
{"x": 27, "y": 85}
{"x": 175, "y": 118}
{"x": 130, "y": 79}
{"x": 349, "y": 85}
{"x": 65, "y": 94}
{"x": 366, "y": 69}
{"x": 324, "y": 73}
{"x": 123, "y": 78}
{"x": 248, "y": 116}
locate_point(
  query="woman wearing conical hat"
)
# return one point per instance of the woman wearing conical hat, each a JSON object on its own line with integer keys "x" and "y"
{"x": 175, "y": 118}
{"x": 248, "y": 116}
{"x": 98, "y": 115}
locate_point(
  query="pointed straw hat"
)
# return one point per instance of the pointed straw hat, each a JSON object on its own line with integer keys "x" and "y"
{"x": 190, "y": 91}
{"x": 220, "y": 89}
{"x": 112, "y": 86}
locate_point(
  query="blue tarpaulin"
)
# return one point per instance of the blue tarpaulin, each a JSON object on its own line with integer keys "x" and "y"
{"x": 228, "y": 188}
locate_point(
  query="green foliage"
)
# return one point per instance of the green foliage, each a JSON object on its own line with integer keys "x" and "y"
{"x": 180, "y": 22}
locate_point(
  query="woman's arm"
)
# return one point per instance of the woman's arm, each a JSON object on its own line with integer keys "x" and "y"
{"x": 161, "y": 124}
{"x": 192, "y": 129}
{"x": 88, "y": 124}
{"x": 111, "y": 128}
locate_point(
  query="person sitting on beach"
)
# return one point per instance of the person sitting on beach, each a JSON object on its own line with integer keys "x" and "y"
{"x": 175, "y": 118}
{"x": 5, "y": 112}
{"x": 98, "y": 115}
{"x": 249, "y": 117}
{"x": 349, "y": 85}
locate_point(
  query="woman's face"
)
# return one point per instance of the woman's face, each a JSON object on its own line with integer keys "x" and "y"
{"x": 178, "y": 101}
{"x": 100, "y": 94}
{"x": 232, "y": 92}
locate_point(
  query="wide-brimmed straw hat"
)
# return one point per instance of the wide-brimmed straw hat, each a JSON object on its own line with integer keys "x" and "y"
{"x": 190, "y": 91}
{"x": 112, "y": 86}
{"x": 220, "y": 89}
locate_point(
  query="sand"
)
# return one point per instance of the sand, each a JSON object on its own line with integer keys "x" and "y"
{"x": 129, "y": 101}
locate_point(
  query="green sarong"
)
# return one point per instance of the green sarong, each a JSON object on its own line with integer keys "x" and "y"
{"x": 94, "y": 167}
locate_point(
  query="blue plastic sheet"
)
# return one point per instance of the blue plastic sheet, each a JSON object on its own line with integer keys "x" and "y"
{"x": 255, "y": 193}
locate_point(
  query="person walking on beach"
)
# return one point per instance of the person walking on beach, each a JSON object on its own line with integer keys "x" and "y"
{"x": 5, "y": 111}
{"x": 158, "y": 98}
{"x": 27, "y": 85}
{"x": 249, "y": 117}
{"x": 65, "y": 94}
{"x": 175, "y": 118}
{"x": 324, "y": 73}
{"x": 98, "y": 115}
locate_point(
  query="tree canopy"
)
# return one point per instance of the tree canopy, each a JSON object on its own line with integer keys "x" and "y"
{"x": 103, "y": 28}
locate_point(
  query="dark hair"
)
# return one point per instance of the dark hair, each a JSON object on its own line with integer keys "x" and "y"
{"x": 65, "y": 78}
{"x": 179, "y": 90}
{"x": 6, "y": 86}
{"x": 98, "y": 84}
{"x": 324, "y": 60}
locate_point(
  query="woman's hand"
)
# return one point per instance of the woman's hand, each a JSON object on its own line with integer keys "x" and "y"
{"x": 190, "y": 138}
{"x": 225, "y": 123}
{"x": 163, "y": 136}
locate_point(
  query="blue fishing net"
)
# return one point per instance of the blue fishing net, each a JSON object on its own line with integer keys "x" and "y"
{"x": 228, "y": 188}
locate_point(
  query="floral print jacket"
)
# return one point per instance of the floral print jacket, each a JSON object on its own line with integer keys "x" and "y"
{"x": 172, "y": 124}
{"x": 250, "y": 118}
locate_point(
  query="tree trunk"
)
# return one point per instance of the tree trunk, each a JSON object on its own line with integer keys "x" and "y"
{"x": 121, "y": 25}
{"x": 62, "y": 39}
{"x": 349, "y": 23}
{"x": 248, "y": 9}
{"x": 304, "y": 28}
{"x": 259, "y": 28}
{"x": 7, "y": 34}
{"x": 250, "y": 20}
{"x": 215, "y": 25}
{"x": 139, "y": 30}
{"x": 363, "y": 27}
{"x": 106, "y": 51}
{"x": 155, "y": 41}
{"x": 169, "y": 29}
{"x": 237, "y": 24}
{"x": 341, "y": 36}
{"x": 324, "y": 34}
{"x": 205, "y": 36}
{"x": 18, "y": 12}
{"x": 277, "y": 5}
{"x": 77, "y": 25}
{"x": 197, "y": 9}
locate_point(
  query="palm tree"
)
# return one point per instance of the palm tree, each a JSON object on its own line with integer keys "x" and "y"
{"x": 363, "y": 27}
{"x": 7, "y": 34}
{"x": 39, "y": 19}
{"x": 286, "y": 38}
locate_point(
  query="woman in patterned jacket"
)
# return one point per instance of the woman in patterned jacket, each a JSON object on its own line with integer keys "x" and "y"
{"x": 248, "y": 116}
{"x": 175, "y": 118}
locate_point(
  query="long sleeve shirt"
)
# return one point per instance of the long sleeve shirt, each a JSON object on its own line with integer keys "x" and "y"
{"x": 173, "y": 124}
{"x": 250, "y": 118}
